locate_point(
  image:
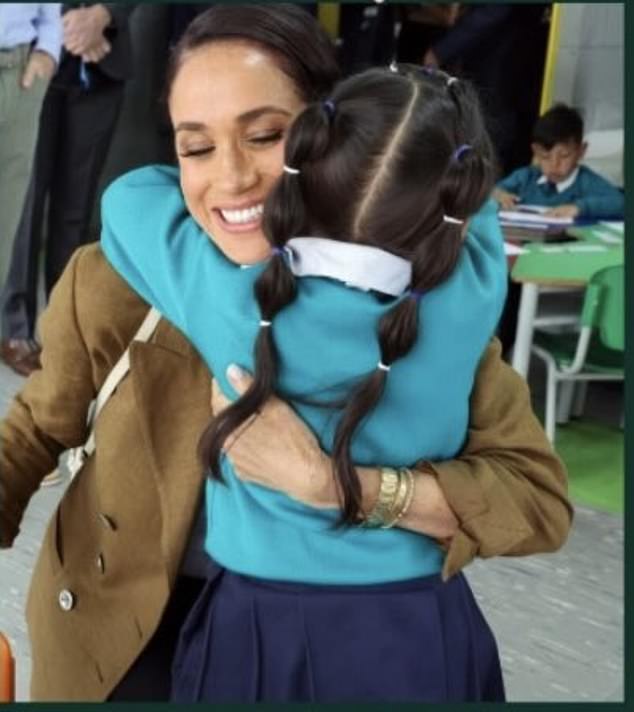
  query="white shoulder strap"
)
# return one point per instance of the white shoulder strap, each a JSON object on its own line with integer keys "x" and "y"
{"x": 119, "y": 370}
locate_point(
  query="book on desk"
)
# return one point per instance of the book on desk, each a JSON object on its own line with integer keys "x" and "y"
{"x": 530, "y": 223}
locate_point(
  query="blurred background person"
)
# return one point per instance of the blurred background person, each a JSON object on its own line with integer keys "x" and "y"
{"x": 78, "y": 120}
{"x": 501, "y": 48}
{"x": 30, "y": 43}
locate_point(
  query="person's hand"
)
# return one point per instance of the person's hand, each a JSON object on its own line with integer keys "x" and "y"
{"x": 39, "y": 65}
{"x": 570, "y": 210}
{"x": 506, "y": 200}
{"x": 276, "y": 449}
{"x": 97, "y": 52}
{"x": 83, "y": 29}
{"x": 430, "y": 59}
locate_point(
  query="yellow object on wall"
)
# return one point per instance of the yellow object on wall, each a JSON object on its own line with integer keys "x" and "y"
{"x": 328, "y": 16}
{"x": 554, "y": 36}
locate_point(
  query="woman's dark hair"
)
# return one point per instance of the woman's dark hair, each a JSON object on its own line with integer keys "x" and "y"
{"x": 383, "y": 162}
{"x": 290, "y": 33}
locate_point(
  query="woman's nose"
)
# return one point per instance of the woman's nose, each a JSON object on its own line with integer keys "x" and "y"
{"x": 237, "y": 170}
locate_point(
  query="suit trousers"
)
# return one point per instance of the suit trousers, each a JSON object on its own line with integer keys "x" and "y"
{"x": 19, "y": 117}
{"x": 76, "y": 129}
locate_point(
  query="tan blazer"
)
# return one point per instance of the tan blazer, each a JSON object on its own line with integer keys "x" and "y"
{"x": 113, "y": 548}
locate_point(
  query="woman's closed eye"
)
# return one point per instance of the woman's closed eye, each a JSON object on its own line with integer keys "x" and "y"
{"x": 194, "y": 151}
{"x": 266, "y": 138}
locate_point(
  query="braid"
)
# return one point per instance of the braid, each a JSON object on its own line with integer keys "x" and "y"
{"x": 275, "y": 288}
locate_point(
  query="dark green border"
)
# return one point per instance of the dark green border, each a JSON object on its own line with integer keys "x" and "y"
{"x": 629, "y": 488}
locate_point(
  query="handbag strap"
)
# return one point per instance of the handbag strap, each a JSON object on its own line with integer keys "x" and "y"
{"x": 119, "y": 370}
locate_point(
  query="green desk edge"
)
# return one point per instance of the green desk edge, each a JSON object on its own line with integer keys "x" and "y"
{"x": 541, "y": 264}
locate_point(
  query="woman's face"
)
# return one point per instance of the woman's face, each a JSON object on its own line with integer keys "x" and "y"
{"x": 231, "y": 106}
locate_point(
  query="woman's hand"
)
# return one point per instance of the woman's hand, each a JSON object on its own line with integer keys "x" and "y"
{"x": 276, "y": 449}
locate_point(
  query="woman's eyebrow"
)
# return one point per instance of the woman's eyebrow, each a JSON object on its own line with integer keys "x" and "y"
{"x": 245, "y": 118}
{"x": 189, "y": 126}
{"x": 253, "y": 114}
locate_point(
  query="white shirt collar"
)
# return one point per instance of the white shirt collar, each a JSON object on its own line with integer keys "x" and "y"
{"x": 360, "y": 266}
{"x": 562, "y": 185}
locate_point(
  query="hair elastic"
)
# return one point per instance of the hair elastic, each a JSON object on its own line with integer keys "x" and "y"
{"x": 290, "y": 171}
{"x": 383, "y": 367}
{"x": 451, "y": 80}
{"x": 416, "y": 294}
{"x": 278, "y": 251}
{"x": 460, "y": 151}
{"x": 264, "y": 323}
{"x": 330, "y": 108}
{"x": 453, "y": 221}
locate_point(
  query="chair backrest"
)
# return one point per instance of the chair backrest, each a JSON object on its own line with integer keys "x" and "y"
{"x": 603, "y": 306}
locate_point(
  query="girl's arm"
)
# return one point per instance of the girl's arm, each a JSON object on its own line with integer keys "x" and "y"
{"x": 150, "y": 239}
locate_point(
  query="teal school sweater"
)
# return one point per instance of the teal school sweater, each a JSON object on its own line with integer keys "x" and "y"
{"x": 327, "y": 339}
{"x": 595, "y": 197}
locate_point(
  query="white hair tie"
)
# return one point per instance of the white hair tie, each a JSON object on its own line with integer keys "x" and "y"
{"x": 291, "y": 171}
{"x": 453, "y": 221}
{"x": 382, "y": 366}
{"x": 264, "y": 323}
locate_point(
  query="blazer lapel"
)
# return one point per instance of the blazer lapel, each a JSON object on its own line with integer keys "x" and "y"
{"x": 172, "y": 391}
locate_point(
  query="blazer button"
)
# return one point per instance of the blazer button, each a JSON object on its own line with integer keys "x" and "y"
{"x": 66, "y": 600}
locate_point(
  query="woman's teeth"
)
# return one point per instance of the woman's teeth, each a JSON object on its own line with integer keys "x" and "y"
{"x": 236, "y": 217}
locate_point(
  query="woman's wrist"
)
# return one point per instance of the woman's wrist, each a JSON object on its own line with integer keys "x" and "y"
{"x": 428, "y": 511}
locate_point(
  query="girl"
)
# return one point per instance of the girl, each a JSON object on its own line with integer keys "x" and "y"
{"x": 368, "y": 304}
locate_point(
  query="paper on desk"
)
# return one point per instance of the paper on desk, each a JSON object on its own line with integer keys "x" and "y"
{"x": 511, "y": 249}
{"x": 616, "y": 225}
{"x": 572, "y": 248}
{"x": 608, "y": 237}
{"x": 587, "y": 248}
{"x": 527, "y": 214}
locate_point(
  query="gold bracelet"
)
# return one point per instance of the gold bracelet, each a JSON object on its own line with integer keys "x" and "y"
{"x": 404, "y": 502}
{"x": 388, "y": 493}
{"x": 410, "y": 495}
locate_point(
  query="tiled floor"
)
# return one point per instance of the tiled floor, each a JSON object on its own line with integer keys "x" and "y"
{"x": 558, "y": 618}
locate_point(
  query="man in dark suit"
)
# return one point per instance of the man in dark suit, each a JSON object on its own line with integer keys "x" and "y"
{"x": 77, "y": 123}
{"x": 502, "y": 49}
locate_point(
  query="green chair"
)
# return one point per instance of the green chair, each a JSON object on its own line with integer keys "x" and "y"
{"x": 596, "y": 352}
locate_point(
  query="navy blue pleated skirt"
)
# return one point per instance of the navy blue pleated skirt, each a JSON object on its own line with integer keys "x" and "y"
{"x": 249, "y": 640}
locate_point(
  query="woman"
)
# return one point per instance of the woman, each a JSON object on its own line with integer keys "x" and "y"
{"x": 124, "y": 527}
{"x": 192, "y": 268}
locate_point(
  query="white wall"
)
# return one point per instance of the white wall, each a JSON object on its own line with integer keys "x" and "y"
{"x": 590, "y": 75}
{"x": 590, "y": 64}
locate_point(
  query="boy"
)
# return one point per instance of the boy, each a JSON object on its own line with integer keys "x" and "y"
{"x": 556, "y": 179}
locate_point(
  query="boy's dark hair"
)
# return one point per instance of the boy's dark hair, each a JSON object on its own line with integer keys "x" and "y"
{"x": 560, "y": 124}
{"x": 288, "y": 32}
{"x": 378, "y": 165}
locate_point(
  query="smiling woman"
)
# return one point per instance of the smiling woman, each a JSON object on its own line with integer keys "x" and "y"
{"x": 125, "y": 554}
{"x": 231, "y": 106}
